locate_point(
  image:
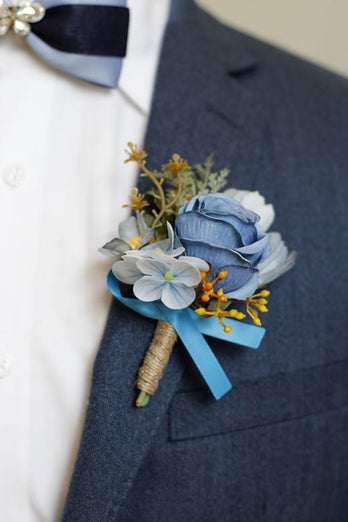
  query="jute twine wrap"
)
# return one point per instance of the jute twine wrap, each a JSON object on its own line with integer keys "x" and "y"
{"x": 156, "y": 358}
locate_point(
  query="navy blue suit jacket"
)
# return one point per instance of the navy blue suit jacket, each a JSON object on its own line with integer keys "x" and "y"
{"x": 275, "y": 448}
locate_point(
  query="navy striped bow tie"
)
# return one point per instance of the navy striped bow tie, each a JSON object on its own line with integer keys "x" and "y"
{"x": 83, "y": 38}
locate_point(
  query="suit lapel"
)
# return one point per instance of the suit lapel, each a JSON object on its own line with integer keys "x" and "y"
{"x": 198, "y": 107}
{"x": 201, "y": 104}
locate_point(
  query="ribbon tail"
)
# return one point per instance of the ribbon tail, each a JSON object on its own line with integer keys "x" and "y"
{"x": 200, "y": 351}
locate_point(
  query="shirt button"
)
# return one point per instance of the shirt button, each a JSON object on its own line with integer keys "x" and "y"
{"x": 14, "y": 176}
{"x": 6, "y": 364}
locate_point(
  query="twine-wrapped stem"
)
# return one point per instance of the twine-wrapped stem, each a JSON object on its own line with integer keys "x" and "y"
{"x": 155, "y": 361}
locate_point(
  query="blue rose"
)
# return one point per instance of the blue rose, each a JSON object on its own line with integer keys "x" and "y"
{"x": 218, "y": 229}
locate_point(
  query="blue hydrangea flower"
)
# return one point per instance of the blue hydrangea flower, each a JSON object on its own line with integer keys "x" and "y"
{"x": 220, "y": 230}
{"x": 157, "y": 276}
{"x": 170, "y": 246}
{"x": 133, "y": 232}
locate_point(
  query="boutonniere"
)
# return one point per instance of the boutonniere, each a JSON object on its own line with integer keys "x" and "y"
{"x": 197, "y": 259}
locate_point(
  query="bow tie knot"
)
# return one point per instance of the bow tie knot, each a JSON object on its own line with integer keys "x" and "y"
{"x": 19, "y": 17}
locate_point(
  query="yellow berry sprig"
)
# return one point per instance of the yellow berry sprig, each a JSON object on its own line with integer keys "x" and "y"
{"x": 255, "y": 304}
{"x": 208, "y": 293}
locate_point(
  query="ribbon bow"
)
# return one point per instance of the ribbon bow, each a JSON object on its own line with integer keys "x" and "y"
{"x": 84, "y": 38}
{"x": 190, "y": 328}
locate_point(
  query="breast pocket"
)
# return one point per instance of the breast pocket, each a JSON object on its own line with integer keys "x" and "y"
{"x": 272, "y": 450}
{"x": 262, "y": 402}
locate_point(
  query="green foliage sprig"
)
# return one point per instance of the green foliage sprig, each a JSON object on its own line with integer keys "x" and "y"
{"x": 174, "y": 184}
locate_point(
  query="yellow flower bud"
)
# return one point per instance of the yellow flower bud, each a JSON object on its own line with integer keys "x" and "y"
{"x": 262, "y": 301}
{"x": 262, "y": 308}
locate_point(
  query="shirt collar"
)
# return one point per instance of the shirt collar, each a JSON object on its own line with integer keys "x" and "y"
{"x": 148, "y": 19}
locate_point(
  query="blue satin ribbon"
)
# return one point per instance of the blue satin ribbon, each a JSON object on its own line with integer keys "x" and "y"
{"x": 190, "y": 328}
{"x": 100, "y": 70}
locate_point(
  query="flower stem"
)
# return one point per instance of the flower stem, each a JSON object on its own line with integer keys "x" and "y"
{"x": 178, "y": 192}
{"x": 155, "y": 362}
{"x": 158, "y": 185}
{"x": 143, "y": 399}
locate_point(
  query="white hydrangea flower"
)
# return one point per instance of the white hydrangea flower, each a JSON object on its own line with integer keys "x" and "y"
{"x": 253, "y": 200}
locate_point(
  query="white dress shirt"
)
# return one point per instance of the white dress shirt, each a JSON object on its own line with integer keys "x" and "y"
{"x": 62, "y": 187}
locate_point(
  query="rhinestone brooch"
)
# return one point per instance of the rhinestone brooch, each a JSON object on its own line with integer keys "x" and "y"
{"x": 20, "y": 16}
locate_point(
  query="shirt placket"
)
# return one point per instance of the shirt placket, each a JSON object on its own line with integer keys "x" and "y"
{"x": 20, "y": 201}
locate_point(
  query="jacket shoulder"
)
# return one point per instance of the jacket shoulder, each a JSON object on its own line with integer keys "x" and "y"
{"x": 299, "y": 74}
